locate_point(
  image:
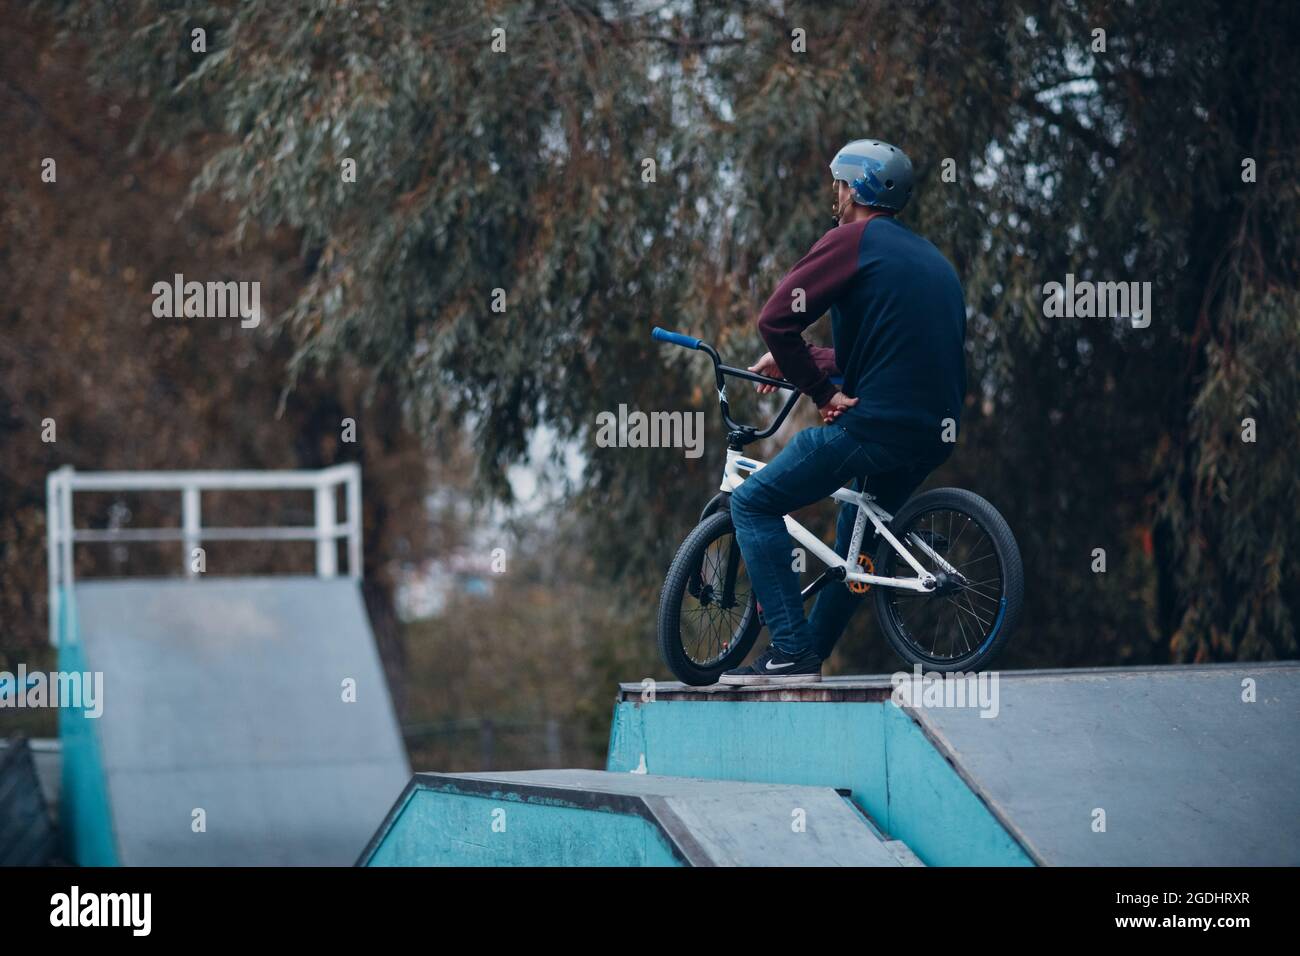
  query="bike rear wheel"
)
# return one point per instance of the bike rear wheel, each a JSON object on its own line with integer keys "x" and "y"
{"x": 708, "y": 617}
{"x": 961, "y": 539}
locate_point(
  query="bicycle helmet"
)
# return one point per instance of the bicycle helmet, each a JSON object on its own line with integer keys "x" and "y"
{"x": 880, "y": 175}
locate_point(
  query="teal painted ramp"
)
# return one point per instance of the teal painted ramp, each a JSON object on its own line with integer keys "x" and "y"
{"x": 226, "y": 738}
{"x": 1114, "y": 767}
{"x": 841, "y": 733}
{"x": 593, "y": 818}
{"x": 1169, "y": 766}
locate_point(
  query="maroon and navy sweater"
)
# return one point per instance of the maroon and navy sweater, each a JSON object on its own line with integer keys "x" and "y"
{"x": 899, "y": 326}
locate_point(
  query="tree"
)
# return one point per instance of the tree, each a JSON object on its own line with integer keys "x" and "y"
{"x": 506, "y": 147}
{"x": 79, "y": 346}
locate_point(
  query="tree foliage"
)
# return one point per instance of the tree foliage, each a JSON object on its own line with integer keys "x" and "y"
{"x": 80, "y": 347}
{"x": 522, "y": 169}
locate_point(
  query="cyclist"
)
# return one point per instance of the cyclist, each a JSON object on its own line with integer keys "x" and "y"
{"x": 898, "y": 321}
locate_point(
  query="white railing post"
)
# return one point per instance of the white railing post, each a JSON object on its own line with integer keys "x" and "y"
{"x": 191, "y": 523}
{"x": 65, "y": 536}
{"x": 52, "y": 551}
{"x": 327, "y": 556}
{"x": 354, "y": 522}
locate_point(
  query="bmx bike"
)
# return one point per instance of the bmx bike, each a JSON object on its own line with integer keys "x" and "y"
{"x": 946, "y": 573}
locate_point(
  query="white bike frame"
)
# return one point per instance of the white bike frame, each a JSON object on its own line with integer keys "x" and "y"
{"x": 868, "y": 510}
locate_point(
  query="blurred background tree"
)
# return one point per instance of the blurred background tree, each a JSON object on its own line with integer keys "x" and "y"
{"x": 520, "y": 165}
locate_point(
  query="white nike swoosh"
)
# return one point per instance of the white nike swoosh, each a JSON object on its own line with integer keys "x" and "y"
{"x": 776, "y": 667}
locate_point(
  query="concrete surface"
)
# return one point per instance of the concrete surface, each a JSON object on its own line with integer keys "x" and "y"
{"x": 226, "y": 695}
{"x": 593, "y": 818}
{"x": 1185, "y": 771}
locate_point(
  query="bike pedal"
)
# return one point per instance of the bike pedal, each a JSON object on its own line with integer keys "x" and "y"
{"x": 861, "y": 587}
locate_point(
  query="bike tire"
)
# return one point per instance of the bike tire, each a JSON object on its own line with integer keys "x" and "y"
{"x": 983, "y": 514}
{"x": 687, "y": 562}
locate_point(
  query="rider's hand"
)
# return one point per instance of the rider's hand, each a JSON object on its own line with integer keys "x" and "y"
{"x": 766, "y": 366}
{"x": 836, "y": 407}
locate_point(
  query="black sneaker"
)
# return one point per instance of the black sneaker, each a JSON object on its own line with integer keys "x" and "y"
{"x": 777, "y": 668}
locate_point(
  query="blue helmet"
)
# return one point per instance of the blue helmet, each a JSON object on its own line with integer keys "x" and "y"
{"x": 880, "y": 175}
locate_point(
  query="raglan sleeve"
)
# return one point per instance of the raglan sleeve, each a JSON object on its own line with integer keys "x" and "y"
{"x": 822, "y": 275}
{"x": 825, "y": 359}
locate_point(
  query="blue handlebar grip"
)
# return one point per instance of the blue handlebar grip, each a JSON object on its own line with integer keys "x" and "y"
{"x": 685, "y": 341}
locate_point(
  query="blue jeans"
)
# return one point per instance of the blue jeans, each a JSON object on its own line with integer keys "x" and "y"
{"x": 816, "y": 463}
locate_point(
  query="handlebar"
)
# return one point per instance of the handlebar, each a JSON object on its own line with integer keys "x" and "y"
{"x": 740, "y": 434}
{"x": 685, "y": 341}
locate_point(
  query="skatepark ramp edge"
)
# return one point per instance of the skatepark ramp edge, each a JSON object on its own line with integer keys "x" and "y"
{"x": 226, "y": 737}
{"x": 1188, "y": 765}
{"x": 596, "y": 818}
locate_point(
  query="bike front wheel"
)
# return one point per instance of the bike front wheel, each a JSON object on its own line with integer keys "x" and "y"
{"x": 708, "y": 617}
{"x": 961, "y": 539}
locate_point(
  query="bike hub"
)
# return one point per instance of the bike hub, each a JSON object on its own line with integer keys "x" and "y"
{"x": 710, "y": 596}
{"x": 947, "y": 583}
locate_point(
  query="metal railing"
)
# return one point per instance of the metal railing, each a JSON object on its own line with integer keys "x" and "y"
{"x": 62, "y": 536}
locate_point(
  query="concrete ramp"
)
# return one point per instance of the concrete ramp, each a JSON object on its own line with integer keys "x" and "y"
{"x": 1157, "y": 766}
{"x": 595, "y": 818}
{"x": 1177, "y": 765}
{"x": 223, "y": 704}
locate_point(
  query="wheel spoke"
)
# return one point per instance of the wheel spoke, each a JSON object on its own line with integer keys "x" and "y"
{"x": 968, "y": 611}
{"x": 954, "y": 623}
{"x": 710, "y": 631}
